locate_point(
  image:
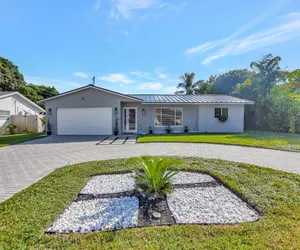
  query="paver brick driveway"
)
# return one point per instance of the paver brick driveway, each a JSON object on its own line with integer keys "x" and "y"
{"x": 23, "y": 164}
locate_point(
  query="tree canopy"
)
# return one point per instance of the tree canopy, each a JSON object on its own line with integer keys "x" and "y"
{"x": 12, "y": 80}
{"x": 275, "y": 92}
{"x": 226, "y": 83}
{"x": 10, "y": 77}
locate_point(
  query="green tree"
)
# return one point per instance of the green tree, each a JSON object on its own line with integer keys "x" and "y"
{"x": 266, "y": 74}
{"x": 205, "y": 86}
{"x": 10, "y": 77}
{"x": 226, "y": 83}
{"x": 284, "y": 114}
{"x": 188, "y": 86}
{"x": 12, "y": 80}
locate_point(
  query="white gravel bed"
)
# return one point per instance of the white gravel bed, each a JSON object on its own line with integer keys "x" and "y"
{"x": 98, "y": 215}
{"x": 209, "y": 205}
{"x": 109, "y": 184}
{"x": 184, "y": 177}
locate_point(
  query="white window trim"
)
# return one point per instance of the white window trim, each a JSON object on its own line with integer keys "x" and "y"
{"x": 123, "y": 115}
{"x": 172, "y": 126}
{"x": 214, "y": 112}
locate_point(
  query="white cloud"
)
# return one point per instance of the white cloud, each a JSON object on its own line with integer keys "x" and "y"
{"x": 291, "y": 16}
{"x": 116, "y": 78}
{"x": 151, "y": 86}
{"x": 60, "y": 85}
{"x": 126, "y": 8}
{"x": 97, "y": 5}
{"x": 159, "y": 74}
{"x": 139, "y": 74}
{"x": 210, "y": 45}
{"x": 162, "y": 76}
{"x": 170, "y": 90}
{"x": 177, "y": 7}
{"x": 81, "y": 75}
{"x": 279, "y": 34}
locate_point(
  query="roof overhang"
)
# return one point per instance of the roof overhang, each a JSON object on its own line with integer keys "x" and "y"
{"x": 91, "y": 87}
{"x": 24, "y": 98}
{"x": 199, "y": 103}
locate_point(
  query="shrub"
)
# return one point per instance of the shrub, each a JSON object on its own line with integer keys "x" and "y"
{"x": 2, "y": 130}
{"x": 155, "y": 175}
{"x": 11, "y": 128}
{"x": 168, "y": 129}
{"x": 43, "y": 120}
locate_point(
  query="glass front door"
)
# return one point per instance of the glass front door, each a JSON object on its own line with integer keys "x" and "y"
{"x": 129, "y": 119}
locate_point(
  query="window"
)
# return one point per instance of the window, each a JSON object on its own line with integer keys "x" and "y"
{"x": 225, "y": 112}
{"x": 4, "y": 114}
{"x": 168, "y": 117}
{"x": 218, "y": 112}
{"x": 221, "y": 112}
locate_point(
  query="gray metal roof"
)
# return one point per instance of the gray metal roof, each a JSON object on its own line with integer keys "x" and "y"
{"x": 193, "y": 99}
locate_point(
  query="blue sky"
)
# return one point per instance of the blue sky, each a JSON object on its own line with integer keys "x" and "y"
{"x": 143, "y": 46}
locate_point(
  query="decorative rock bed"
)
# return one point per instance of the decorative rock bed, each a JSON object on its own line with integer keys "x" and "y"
{"x": 110, "y": 202}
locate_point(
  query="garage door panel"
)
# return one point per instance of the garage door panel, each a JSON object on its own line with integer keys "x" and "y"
{"x": 84, "y": 121}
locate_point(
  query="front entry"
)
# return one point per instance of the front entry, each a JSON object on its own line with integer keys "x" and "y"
{"x": 129, "y": 120}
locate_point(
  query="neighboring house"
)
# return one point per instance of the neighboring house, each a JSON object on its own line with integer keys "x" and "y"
{"x": 92, "y": 110}
{"x": 14, "y": 103}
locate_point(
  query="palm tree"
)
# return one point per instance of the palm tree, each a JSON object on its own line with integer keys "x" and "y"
{"x": 187, "y": 86}
{"x": 267, "y": 73}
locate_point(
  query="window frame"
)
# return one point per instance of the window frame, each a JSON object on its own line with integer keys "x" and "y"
{"x": 7, "y": 116}
{"x": 173, "y": 126}
{"x": 221, "y": 112}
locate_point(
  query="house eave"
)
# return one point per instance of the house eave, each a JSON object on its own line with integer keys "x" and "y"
{"x": 87, "y": 87}
{"x": 24, "y": 98}
{"x": 198, "y": 103}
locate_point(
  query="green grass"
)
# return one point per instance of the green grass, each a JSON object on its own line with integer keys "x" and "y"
{"x": 290, "y": 142}
{"x": 6, "y": 140}
{"x": 24, "y": 217}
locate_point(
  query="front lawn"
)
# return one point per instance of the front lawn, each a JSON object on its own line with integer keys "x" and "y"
{"x": 276, "y": 195}
{"x": 290, "y": 142}
{"x": 6, "y": 140}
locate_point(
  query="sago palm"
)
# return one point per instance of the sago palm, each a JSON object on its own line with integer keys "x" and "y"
{"x": 155, "y": 175}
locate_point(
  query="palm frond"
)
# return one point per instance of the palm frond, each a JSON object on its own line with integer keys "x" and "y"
{"x": 155, "y": 174}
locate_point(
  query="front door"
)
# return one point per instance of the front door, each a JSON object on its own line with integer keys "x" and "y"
{"x": 129, "y": 119}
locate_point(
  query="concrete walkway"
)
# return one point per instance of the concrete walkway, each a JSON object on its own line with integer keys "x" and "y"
{"x": 23, "y": 164}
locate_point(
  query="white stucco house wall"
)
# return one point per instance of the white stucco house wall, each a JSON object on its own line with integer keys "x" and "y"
{"x": 91, "y": 110}
{"x": 14, "y": 103}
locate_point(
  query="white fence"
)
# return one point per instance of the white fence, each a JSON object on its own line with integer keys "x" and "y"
{"x": 27, "y": 123}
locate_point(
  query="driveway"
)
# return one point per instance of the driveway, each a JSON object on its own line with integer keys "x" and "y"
{"x": 23, "y": 164}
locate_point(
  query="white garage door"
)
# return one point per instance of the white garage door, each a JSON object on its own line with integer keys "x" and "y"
{"x": 84, "y": 121}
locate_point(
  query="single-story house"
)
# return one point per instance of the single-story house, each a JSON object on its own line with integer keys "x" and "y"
{"x": 91, "y": 110}
{"x": 14, "y": 103}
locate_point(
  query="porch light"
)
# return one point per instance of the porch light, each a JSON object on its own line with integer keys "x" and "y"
{"x": 116, "y": 111}
{"x": 143, "y": 111}
{"x": 50, "y": 112}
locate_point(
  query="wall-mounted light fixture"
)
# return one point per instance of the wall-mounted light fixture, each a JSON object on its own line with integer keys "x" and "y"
{"x": 116, "y": 111}
{"x": 143, "y": 111}
{"x": 50, "y": 112}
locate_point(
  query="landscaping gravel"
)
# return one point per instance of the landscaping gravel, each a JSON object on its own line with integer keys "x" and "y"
{"x": 97, "y": 215}
{"x": 184, "y": 177}
{"x": 108, "y": 202}
{"x": 208, "y": 205}
{"x": 109, "y": 184}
